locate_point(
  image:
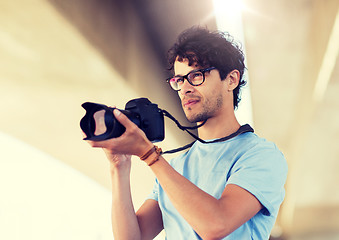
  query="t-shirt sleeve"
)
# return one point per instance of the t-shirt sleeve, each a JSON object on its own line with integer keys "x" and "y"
{"x": 262, "y": 171}
{"x": 155, "y": 191}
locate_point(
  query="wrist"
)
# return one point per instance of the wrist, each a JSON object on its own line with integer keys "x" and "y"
{"x": 144, "y": 148}
{"x": 152, "y": 155}
{"x": 119, "y": 172}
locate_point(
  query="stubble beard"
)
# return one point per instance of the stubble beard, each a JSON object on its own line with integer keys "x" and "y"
{"x": 209, "y": 108}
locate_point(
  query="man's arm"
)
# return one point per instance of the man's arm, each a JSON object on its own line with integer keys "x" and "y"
{"x": 124, "y": 221}
{"x": 126, "y": 224}
{"x": 211, "y": 218}
{"x": 145, "y": 224}
{"x": 150, "y": 219}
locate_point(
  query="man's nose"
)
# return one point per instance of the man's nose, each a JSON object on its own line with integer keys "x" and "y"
{"x": 186, "y": 87}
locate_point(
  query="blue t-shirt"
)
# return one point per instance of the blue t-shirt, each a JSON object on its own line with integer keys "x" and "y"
{"x": 245, "y": 160}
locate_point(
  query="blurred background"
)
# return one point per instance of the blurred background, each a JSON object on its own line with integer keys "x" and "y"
{"x": 57, "y": 54}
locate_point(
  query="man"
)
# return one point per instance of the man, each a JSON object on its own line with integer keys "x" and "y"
{"x": 229, "y": 187}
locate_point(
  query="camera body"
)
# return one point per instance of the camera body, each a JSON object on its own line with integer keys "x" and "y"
{"x": 146, "y": 115}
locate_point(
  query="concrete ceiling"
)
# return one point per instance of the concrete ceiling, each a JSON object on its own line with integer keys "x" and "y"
{"x": 56, "y": 54}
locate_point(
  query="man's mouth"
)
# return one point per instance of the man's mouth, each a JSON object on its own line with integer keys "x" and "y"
{"x": 190, "y": 102}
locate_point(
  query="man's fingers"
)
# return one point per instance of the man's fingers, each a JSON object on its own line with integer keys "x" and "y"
{"x": 123, "y": 119}
{"x": 102, "y": 144}
{"x": 118, "y": 145}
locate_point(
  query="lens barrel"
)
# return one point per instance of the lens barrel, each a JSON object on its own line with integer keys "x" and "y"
{"x": 113, "y": 127}
{"x": 146, "y": 115}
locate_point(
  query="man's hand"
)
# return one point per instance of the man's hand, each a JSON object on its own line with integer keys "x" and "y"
{"x": 120, "y": 162}
{"x": 132, "y": 142}
{"x": 118, "y": 151}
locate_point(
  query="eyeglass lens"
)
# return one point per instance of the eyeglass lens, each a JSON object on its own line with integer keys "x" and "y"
{"x": 194, "y": 78}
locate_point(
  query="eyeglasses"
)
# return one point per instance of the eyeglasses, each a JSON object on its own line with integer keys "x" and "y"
{"x": 195, "y": 78}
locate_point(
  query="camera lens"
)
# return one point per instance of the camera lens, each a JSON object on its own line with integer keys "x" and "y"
{"x": 100, "y": 124}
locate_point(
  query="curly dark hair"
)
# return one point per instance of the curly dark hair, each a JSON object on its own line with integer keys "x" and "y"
{"x": 210, "y": 49}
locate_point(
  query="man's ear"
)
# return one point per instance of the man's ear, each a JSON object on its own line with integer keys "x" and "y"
{"x": 233, "y": 79}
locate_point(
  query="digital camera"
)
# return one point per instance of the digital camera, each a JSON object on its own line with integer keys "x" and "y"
{"x": 146, "y": 115}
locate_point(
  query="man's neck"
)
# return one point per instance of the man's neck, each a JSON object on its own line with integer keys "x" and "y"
{"x": 218, "y": 127}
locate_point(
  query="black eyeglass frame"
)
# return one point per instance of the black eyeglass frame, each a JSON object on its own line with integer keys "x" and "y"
{"x": 186, "y": 77}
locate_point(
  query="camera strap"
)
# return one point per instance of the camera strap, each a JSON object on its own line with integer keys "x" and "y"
{"x": 242, "y": 129}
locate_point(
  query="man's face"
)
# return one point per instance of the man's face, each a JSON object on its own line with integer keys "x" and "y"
{"x": 204, "y": 101}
